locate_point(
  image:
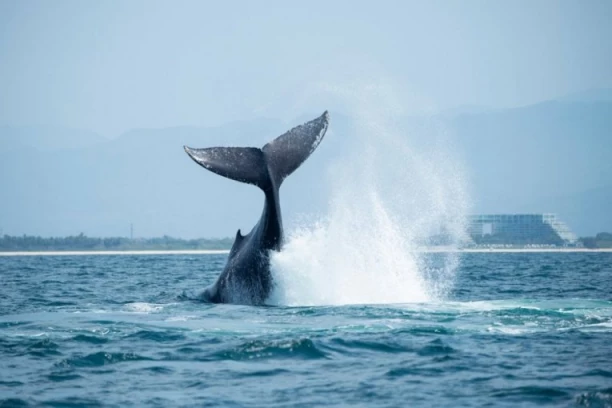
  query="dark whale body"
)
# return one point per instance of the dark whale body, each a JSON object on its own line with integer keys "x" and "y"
{"x": 246, "y": 278}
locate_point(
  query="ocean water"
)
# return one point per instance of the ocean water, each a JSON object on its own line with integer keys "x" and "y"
{"x": 514, "y": 329}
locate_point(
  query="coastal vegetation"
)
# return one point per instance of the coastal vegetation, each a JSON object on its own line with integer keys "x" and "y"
{"x": 82, "y": 242}
{"x": 601, "y": 240}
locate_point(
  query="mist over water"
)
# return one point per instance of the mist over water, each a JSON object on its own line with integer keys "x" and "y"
{"x": 388, "y": 198}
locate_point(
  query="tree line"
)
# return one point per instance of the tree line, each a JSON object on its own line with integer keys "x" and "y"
{"x": 82, "y": 242}
{"x": 601, "y": 240}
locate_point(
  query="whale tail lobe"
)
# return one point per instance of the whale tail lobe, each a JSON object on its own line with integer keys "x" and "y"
{"x": 267, "y": 166}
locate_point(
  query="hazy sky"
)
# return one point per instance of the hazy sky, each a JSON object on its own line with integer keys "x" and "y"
{"x": 110, "y": 66}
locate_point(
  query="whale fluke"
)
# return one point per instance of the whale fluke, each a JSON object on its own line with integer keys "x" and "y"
{"x": 244, "y": 164}
{"x": 246, "y": 277}
{"x": 269, "y": 165}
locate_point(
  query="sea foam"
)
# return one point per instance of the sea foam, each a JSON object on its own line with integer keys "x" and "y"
{"x": 387, "y": 199}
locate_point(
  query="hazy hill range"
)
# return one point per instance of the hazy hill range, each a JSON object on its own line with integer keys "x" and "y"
{"x": 553, "y": 157}
{"x": 143, "y": 177}
{"x": 46, "y": 138}
{"x": 550, "y": 157}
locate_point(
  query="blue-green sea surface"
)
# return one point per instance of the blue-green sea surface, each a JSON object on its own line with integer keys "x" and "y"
{"x": 115, "y": 331}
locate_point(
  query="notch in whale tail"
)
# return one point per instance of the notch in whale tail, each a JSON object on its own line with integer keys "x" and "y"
{"x": 270, "y": 165}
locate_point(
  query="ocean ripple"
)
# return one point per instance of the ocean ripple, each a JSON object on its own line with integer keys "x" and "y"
{"x": 525, "y": 330}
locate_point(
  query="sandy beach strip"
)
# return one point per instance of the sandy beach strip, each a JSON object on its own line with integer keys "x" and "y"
{"x": 152, "y": 252}
{"x": 226, "y": 251}
{"x": 514, "y": 250}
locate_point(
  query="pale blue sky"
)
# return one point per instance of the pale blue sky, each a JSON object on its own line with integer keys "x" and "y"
{"x": 110, "y": 66}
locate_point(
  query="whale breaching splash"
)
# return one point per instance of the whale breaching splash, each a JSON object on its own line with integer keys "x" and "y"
{"x": 246, "y": 278}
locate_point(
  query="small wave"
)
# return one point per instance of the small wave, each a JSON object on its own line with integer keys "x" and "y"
{"x": 180, "y": 318}
{"x": 13, "y": 403}
{"x": 90, "y": 339}
{"x": 303, "y": 348}
{"x": 100, "y": 359}
{"x": 415, "y": 371}
{"x": 102, "y": 322}
{"x": 60, "y": 303}
{"x": 602, "y": 398}
{"x": 143, "y": 307}
{"x": 44, "y": 348}
{"x": 531, "y": 311}
{"x": 73, "y": 402}
{"x": 599, "y": 372}
{"x": 263, "y": 373}
{"x": 11, "y": 384}
{"x": 8, "y": 325}
{"x": 351, "y": 346}
{"x": 515, "y": 331}
{"x": 155, "y": 370}
{"x": 435, "y": 348}
{"x": 536, "y": 393}
{"x": 188, "y": 295}
{"x": 427, "y": 331}
{"x": 189, "y": 350}
{"x": 156, "y": 336}
{"x": 604, "y": 326}
{"x": 61, "y": 377}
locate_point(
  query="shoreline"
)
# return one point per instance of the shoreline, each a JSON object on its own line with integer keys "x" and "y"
{"x": 226, "y": 251}
{"x": 516, "y": 250}
{"x": 128, "y": 252}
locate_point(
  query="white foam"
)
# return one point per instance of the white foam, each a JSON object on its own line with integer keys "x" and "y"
{"x": 508, "y": 330}
{"x": 386, "y": 199}
{"x": 180, "y": 318}
{"x": 142, "y": 307}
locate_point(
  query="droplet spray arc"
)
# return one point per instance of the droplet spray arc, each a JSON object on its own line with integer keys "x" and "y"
{"x": 387, "y": 200}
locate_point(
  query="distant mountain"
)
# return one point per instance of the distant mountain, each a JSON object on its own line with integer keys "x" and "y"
{"x": 522, "y": 160}
{"x": 591, "y": 95}
{"x": 587, "y": 211}
{"x": 549, "y": 157}
{"x": 46, "y": 138}
{"x": 464, "y": 110}
{"x": 144, "y": 177}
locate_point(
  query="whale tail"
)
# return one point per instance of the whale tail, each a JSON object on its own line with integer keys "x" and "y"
{"x": 269, "y": 166}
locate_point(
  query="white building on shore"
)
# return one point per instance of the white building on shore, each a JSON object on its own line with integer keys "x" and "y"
{"x": 520, "y": 229}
